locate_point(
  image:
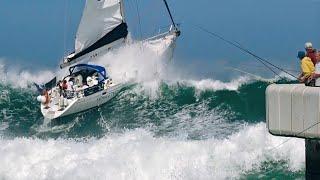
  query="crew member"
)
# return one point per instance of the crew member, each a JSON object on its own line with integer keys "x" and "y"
{"x": 64, "y": 85}
{"x": 46, "y": 95}
{"x": 70, "y": 84}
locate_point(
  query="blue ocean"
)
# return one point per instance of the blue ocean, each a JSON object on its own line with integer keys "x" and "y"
{"x": 200, "y": 115}
{"x": 162, "y": 126}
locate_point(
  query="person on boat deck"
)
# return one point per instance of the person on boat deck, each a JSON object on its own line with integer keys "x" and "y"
{"x": 63, "y": 88}
{"x": 316, "y": 74}
{"x": 59, "y": 84}
{"x": 64, "y": 85}
{"x": 78, "y": 82}
{"x": 307, "y": 67}
{"x": 45, "y": 93}
{"x": 311, "y": 53}
{"x": 70, "y": 84}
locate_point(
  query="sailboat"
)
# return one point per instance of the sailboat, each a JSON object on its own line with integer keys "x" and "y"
{"x": 102, "y": 29}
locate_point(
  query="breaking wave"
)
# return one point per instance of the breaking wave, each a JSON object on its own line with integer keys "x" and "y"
{"x": 19, "y": 78}
{"x": 137, "y": 154}
{"x": 185, "y": 132}
{"x": 164, "y": 126}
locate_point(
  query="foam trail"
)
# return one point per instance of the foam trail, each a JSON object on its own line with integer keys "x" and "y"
{"x": 137, "y": 154}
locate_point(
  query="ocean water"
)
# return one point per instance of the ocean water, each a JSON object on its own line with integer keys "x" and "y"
{"x": 161, "y": 127}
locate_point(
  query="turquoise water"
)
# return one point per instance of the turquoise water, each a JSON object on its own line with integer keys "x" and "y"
{"x": 180, "y": 132}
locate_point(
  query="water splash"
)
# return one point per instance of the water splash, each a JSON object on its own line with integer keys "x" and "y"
{"x": 137, "y": 154}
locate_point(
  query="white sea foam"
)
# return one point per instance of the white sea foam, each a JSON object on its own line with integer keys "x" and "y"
{"x": 137, "y": 154}
{"x": 129, "y": 63}
{"x": 210, "y": 84}
{"x": 4, "y": 125}
{"x": 139, "y": 64}
{"x": 15, "y": 77}
{"x": 135, "y": 63}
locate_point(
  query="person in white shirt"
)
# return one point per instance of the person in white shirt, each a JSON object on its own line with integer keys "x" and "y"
{"x": 70, "y": 85}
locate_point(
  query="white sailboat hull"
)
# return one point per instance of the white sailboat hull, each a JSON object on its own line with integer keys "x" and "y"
{"x": 77, "y": 105}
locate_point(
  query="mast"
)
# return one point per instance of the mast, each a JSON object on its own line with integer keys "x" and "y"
{"x": 171, "y": 17}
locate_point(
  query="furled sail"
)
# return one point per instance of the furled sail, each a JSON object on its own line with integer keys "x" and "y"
{"x": 102, "y": 23}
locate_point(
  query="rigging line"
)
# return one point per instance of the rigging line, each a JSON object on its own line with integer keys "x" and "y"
{"x": 236, "y": 44}
{"x": 168, "y": 9}
{"x": 268, "y": 67}
{"x": 139, "y": 19}
{"x": 256, "y": 66}
{"x": 253, "y": 75}
{"x": 265, "y": 61}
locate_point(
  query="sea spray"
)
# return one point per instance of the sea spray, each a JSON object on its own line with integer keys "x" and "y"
{"x": 21, "y": 78}
{"x": 137, "y": 154}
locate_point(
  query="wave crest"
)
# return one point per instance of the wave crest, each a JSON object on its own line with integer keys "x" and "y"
{"x": 19, "y": 78}
{"x": 137, "y": 154}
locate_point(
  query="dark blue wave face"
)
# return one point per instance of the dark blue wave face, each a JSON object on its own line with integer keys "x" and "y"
{"x": 178, "y": 108}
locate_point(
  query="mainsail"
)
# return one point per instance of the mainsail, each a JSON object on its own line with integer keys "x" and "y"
{"x": 102, "y": 23}
{"x": 103, "y": 27}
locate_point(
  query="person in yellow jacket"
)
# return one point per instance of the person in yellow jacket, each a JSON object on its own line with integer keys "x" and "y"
{"x": 307, "y": 67}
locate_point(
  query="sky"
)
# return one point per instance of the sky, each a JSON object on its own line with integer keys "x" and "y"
{"x": 36, "y": 33}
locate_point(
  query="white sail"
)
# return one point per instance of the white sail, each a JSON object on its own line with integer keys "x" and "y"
{"x": 103, "y": 28}
{"x": 99, "y": 18}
